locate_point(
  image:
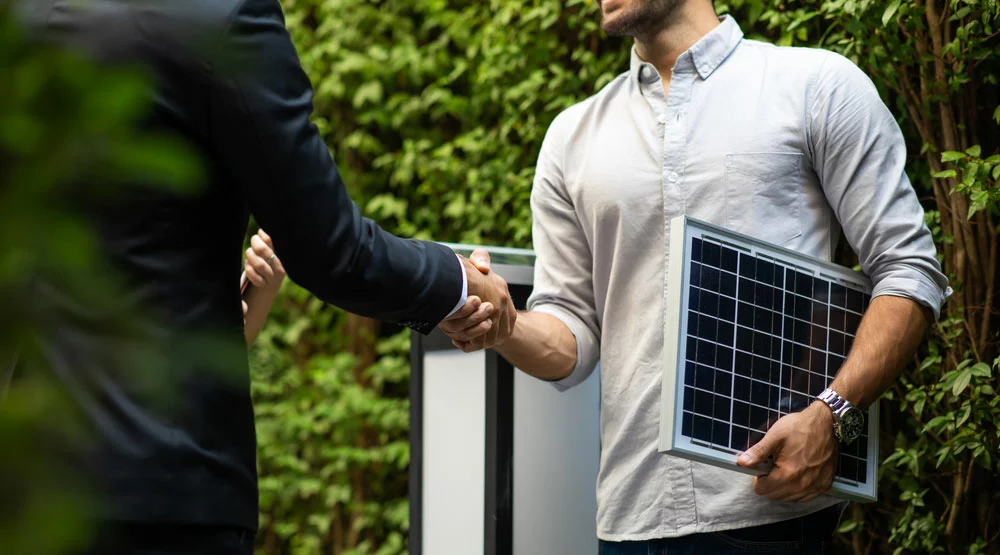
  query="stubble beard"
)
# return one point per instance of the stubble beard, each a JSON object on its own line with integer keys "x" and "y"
{"x": 641, "y": 19}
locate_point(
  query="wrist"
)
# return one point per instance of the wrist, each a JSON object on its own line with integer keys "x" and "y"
{"x": 822, "y": 411}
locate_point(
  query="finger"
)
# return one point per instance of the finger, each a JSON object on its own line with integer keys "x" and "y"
{"x": 809, "y": 497}
{"x": 253, "y": 277}
{"x": 780, "y": 485}
{"x": 275, "y": 262}
{"x": 453, "y": 328}
{"x": 245, "y": 308}
{"x": 468, "y": 309}
{"x": 260, "y": 247}
{"x": 470, "y": 333}
{"x": 259, "y": 264}
{"x": 508, "y": 329}
{"x": 762, "y": 450}
{"x": 481, "y": 259}
{"x": 770, "y": 486}
{"x": 493, "y": 333}
{"x": 267, "y": 238}
{"x": 464, "y": 346}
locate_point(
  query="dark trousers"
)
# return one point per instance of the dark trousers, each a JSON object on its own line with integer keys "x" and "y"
{"x": 801, "y": 536}
{"x": 128, "y": 538}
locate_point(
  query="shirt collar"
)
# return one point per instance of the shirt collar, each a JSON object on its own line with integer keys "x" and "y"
{"x": 704, "y": 57}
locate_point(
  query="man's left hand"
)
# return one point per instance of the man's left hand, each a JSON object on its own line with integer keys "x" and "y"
{"x": 804, "y": 449}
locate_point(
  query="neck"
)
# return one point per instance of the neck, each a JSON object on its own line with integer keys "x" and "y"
{"x": 692, "y": 21}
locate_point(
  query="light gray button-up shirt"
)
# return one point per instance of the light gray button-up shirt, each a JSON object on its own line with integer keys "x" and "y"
{"x": 784, "y": 144}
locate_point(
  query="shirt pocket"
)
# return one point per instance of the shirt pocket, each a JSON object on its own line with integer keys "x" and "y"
{"x": 764, "y": 195}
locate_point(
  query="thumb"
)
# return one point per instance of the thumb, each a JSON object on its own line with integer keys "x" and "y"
{"x": 481, "y": 259}
{"x": 760, "y": 451}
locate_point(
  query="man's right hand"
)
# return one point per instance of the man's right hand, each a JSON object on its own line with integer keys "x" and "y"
{"x": 492, "y": 290}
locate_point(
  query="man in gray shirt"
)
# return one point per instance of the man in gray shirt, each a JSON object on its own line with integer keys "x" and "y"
{"x": 784, "y": 144}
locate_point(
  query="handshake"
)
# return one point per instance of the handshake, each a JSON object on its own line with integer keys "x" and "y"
{"x": 487, "y": 318}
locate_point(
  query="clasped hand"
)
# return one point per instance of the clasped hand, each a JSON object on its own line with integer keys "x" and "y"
{"x": 804, "y": 450}
{"x": 487, "y": 318}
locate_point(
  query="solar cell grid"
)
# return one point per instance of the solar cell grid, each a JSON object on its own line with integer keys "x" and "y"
{"x": 764, "y": 336}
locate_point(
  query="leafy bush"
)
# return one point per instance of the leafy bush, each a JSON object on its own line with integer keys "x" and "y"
{"x": 332, "y": 427}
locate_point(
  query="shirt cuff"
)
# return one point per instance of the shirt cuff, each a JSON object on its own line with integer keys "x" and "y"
{"x": 916, "y": 286}
{"x": 465, "y": 289}
{"x": 587, "y": 346}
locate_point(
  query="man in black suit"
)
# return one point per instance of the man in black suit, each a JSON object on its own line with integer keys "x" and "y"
{"x": 180, "y": 476}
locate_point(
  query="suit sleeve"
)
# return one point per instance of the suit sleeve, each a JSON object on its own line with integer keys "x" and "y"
{"x": 260, "y": 107}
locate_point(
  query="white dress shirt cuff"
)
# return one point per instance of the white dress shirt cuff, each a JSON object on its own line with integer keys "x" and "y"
{"x": 465, "y": 288}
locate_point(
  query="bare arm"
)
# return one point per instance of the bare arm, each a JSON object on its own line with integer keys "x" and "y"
{"x": 541, "y": 346}
{"x": 889, "y": 334}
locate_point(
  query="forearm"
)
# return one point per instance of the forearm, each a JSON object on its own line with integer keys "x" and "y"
{"x": 889, "y": 334}
{"x": 259, "y": 301}
{"x": 541, "y": 346}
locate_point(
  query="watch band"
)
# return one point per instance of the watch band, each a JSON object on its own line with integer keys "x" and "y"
{"x": 837, "y": 404}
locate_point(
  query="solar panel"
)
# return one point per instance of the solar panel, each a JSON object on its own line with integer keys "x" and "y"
{"x": 754, "y": 332}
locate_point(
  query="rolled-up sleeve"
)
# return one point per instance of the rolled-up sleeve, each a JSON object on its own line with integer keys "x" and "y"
{"x": 859, "y": 155}
{"x": 563, "y": 284}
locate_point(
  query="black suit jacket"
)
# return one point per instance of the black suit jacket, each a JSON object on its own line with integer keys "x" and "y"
{"x": 228, "y": 80}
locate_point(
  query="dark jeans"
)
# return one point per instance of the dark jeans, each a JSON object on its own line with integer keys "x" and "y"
{"x": 121, "y": 538}
{"x": 805, "y": 536}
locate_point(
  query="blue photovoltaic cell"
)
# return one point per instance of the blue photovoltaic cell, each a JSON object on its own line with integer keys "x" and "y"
{"x": 763, "y": 339}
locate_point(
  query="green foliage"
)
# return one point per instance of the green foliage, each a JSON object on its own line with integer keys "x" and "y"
{"x": 332, "y": 434}
{"x": 435, "y": 112}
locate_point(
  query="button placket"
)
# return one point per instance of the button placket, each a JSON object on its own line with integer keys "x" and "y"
{"x": 674, "y": 145}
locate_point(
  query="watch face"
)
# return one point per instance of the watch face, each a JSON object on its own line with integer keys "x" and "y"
{"x": 852, "y": 423}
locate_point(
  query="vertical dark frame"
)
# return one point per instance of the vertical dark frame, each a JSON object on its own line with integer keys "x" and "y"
{"x": 499, "y": 517}
{"x": 499, "y": 453}
{"x": 416, "y": 493}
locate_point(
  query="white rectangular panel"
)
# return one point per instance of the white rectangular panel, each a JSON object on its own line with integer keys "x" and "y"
{"x": 557, "y": 450}
{"x": 454, "y": 452}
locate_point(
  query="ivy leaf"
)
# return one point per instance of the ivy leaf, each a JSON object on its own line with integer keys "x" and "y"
{"x": 951, "y": 156}
{"x": 996, "y": 115}
{"x": 964, "y": 414}
{"x": 981, "y": 370}
{"x": 979, "y": 200}
{"x": 936, "y": 422}
{"x": 961, "y": 382}
{"x": 890, "y": 11}
{"x": 944, "y": 174}
{"x": 848, "y": 526}
{"x": 974, "y": 151}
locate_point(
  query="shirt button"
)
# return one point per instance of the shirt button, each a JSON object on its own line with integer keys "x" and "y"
{"x": 673, "y": 177}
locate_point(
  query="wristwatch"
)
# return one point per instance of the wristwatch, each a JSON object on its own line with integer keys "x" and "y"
{"x": 848, "y": 420}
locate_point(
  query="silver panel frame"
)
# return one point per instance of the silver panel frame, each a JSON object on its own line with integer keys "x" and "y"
{"x": 683, "y": 230}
